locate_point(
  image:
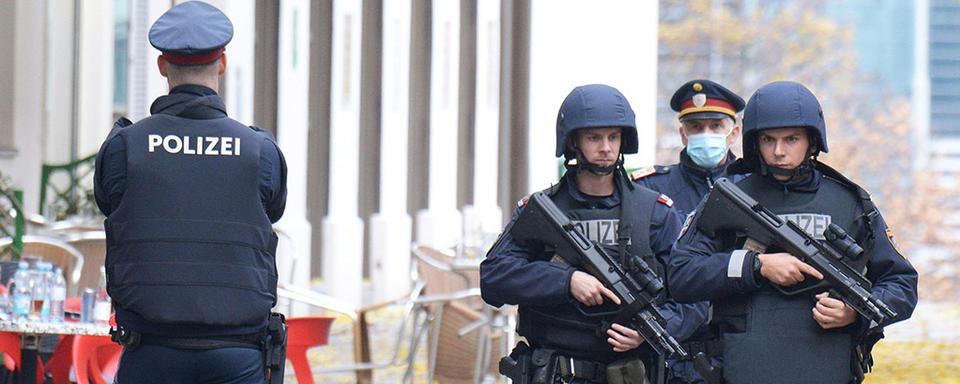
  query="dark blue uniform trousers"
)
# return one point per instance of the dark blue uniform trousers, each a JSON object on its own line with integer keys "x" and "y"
{"x": 148, "y": 364}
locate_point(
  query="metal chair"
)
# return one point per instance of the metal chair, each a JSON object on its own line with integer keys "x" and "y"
{"x": 441, "y": 272}
{"x": 93, "y": 246}
{"x": 55, "y": 251}
{"x": 465, "y": 347}
{"x": 466, "y": 332}
{"x": 413, "y": 323}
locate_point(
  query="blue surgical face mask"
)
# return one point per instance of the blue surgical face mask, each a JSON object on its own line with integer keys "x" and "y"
{"x": 707, "y": 149}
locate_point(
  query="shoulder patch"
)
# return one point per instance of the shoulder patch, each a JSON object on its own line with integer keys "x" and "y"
{"x": 893, "y": 242}
{"x": 643, "y": 172}
{"x": 647, "y": 171}
{"x": 665, "y": 200}
{"x": 523, "y": 201}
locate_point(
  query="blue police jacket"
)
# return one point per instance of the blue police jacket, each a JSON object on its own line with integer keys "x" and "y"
{"x": 516, "y": 272}
{"x": 770, "y": 337}
{"x": 685, "y": 182}
{"x": 190, "y": 196}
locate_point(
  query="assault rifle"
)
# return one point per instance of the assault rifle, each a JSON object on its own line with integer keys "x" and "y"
{"x": 637, "y": 287}
{"x": 728, "y": 208}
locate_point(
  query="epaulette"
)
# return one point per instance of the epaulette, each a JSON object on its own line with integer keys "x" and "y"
{"x": 118, "y": 126}
{"x": 665, "y": 200}
{"x": 523, "y": 201}
{"x": 552, "y": 190}
{"x": 647, "y": 171}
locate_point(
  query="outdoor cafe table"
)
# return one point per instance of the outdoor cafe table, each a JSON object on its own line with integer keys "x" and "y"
{"x": 30, "y": 333}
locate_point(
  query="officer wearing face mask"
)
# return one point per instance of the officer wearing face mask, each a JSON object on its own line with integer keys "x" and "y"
{"x": 708, "y": 127}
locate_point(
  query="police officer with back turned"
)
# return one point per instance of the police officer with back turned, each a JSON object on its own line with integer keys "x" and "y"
{"x": 595, "y": 128}
{"x": 190, "y": 195}
{"x": 767, "y": 336}
{"x": 707, "y": 112}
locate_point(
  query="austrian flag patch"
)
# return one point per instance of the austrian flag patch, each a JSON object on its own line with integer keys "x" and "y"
{"x": 665, "y": 200}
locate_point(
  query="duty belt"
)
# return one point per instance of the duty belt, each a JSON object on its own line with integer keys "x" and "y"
{"x": 131, "y": 340}
{"x": 570, "y": 368}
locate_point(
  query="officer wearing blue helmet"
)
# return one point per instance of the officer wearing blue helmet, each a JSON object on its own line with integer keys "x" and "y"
{"x": 595, "y": 128}
{"x": 708, "y": 127}
{"x": 768, "y": 337}
{"x": 190, "y": 195}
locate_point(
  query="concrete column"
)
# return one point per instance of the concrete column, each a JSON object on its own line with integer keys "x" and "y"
{"x": 513, "y": 163}
{"x": 440, "y": 224}
{"x": 21, "y": 87}
{"x": 418, "y": 143}
{"x": 466, "y": 156}
{"x": 238, "y": 82}
{"x": 265, "y": 64}
{"x": 318, "y": 178}
{"x": 8, "y": 39}
{"x": 390, "y": 227}
{"x": 342, "y": 228}
{"x": 145, "y": 81}
{"x": 292, "y": 102}
{"x": 60, "y": 110}
{"x": 368, "y": 153}
{"x": 95, "y": 114}
{"x": 483, "y": 219}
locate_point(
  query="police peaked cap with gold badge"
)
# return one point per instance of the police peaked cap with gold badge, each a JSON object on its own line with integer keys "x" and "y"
{"x": 704, "y": 99}
{"x": 191, "y": 33}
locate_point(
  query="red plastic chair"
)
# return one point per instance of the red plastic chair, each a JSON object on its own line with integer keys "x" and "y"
{"x": 94, "y": 355}
{"x": 10, "y": 347}
{"x": 302, "y": 334}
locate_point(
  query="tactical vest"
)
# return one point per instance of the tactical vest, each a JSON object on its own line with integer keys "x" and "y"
{"x": 190, "y": 251}
{"x": 769, "y": 337}
{"x": 564, "y": 327}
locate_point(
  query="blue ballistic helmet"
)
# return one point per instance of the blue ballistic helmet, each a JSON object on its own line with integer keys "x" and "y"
{"x": 782, "y": 104}
{"x": 596, "y": 106}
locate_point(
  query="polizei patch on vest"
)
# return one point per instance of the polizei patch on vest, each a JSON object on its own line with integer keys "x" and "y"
{"x": 812, "y": 223}
{"x": 195, "y": 145}
{"x": 603, "y": 231}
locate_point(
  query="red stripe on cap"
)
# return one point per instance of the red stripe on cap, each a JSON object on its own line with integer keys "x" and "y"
{"x": 203, "y": 58}
{"x": 710, "y": 103}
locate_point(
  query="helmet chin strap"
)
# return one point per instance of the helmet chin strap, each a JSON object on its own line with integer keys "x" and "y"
{"x": 798, "y": 173}
{"x": 584, "y": 165}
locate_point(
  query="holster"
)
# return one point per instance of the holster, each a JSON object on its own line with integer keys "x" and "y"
{"x": 275, "y": 348}
{"x": 543, "y": 363}
{"x": 709, "y": 373}
{"x": 516, "y": 366}
{"x": 862, "y": 355}
{"x": 129, "y": 340}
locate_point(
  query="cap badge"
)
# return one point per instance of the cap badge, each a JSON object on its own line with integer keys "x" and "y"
{"x": 697, "y": 87}
{"x": 700, "y": 99}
